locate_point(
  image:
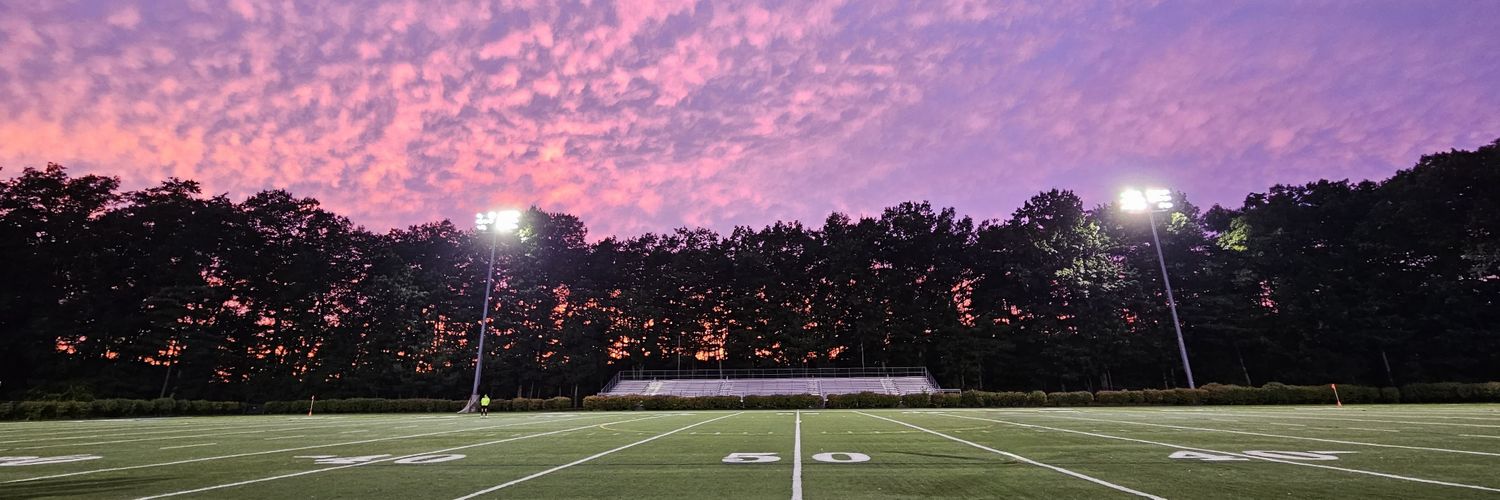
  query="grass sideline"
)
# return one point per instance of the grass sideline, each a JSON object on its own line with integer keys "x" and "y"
{"x": 1385, "y": 451}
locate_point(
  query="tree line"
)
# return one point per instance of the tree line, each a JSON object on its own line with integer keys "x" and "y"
{"x": 168, "y": 291}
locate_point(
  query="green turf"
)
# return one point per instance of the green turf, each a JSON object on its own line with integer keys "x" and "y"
{"x": 1409, "y": 451}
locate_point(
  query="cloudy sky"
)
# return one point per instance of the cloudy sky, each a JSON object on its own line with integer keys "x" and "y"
{"x": 647, "y": 115}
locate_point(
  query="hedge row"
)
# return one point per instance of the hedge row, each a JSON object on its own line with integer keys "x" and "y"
{"x": 1212, "y": 394}
{"x": 373, "y": 405}
{"x": 110, "y": 408}
{"x": 1488, "y": 392}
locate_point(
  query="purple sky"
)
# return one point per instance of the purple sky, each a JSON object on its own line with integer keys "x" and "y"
{"x": 643, "y": 116}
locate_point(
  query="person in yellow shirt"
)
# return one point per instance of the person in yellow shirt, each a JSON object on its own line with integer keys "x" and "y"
{"x": 484, "y": 406}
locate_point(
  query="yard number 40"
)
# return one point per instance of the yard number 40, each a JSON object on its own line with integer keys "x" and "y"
{"x": 837, "y": 457}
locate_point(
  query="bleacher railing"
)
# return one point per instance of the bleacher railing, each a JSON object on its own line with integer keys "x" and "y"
{"x": 770, "y": 373}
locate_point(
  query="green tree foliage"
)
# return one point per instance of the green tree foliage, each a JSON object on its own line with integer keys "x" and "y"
{"x": 167, "y": 291}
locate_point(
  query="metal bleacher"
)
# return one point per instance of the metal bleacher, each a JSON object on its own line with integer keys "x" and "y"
{"x": 770, "y": 382}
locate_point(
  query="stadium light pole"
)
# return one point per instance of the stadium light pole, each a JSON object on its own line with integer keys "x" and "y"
{"x": 1152, "y": 201}
{"x": 496, "y": 222}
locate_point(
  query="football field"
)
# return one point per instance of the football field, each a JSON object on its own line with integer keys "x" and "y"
{"x": 1410, "y": 451}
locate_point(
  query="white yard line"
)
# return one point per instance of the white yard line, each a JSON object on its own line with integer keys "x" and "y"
{"x": 388, "y": 459}
{"x": 588, "y": 458}
{"x": 797, "y": 460}
{"x": 1369, "y": 429}
{"x": 249, "y": 454}
{"x": 1206, "y": 450}
{"x": 286, "y": 437}
{"x": 1014, "y": 456}
{"x": 1283, "y": 436}
{"x": 1479, "y": 436}
{"x": 186, "y": 446}
{"x": 1284, "y": 425}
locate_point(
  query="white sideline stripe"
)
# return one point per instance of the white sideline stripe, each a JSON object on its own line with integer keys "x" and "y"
{"x": 177, "y": 425}
{"x": 326, "y": 469}
{"x": 238, "y": 455}
{"x": 1021, "y": 458}
{"x": 797, "y": 461}
{"x": 1206, "y": 450}
{"x": 186, "y": 446}
{"x": 1479, "y": 436}
{"x": 260, "y": 428}
{"x": 588, "y": 458}
{"x": 159, "y": 438}
{"x": 1369, "y": 429}
{"x": 1473, "y": 416}
{"x": 1282, "y": 436}
{"x": 1282, "y": 415}
{"x": 95, "y": 433}
{"x": 57, "y": 430}
{"x": 1407, "y": 409}
{"x": 1285, "y": 425}
{"x": 286, "y": 437}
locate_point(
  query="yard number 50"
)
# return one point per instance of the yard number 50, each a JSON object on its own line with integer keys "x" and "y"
{"x": 837, "y": 457}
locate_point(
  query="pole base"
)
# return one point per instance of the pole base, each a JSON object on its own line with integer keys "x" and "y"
{"x": 472, "y": 406}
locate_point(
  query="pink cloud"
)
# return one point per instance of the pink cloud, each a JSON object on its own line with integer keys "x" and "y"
{"x": 643, "y": 116}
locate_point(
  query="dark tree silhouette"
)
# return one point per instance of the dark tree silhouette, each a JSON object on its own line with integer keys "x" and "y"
{"x": 168, "y": 291}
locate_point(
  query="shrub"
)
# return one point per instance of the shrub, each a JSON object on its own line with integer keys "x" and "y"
{"x": 782, "y": 402}
{"x": 276, "y": 407}
{"x": 970, "y": 399}
{"x": 1120, "y": 398}
{"x": 866, "y": 400}
{"x": 1360, "y": 394}
{"x": 1076, "y": 398}
{"x": 611, "y": 403}
{"x": 1220, "y": 394}
{"x": 163, "y": 406}
{"x": 558, "y": 403}
{"x": 1390, "y": 395}
{"x": 916, "y": 400}
{"x": 1003, "y": 399}
{"x": 70, "y": 409}
{"x": 1281, "y": 394}
{"x": 947, "y": 400}
{"x": 842, "y": 401}
{"x": 37, "y": 410}
{"x": 1173, "y": 396}
{"x": 525, "y": 404}
{"x": 727, "y": 402}
{"x": 1449, "y": 392}
{"x": 1036, "y": 398}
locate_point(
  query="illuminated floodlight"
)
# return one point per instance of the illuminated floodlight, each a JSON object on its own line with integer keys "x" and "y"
{"x": 504, "y": 221}
{"x": 1154, "y": 200}
{"x": 1151, "y": 201}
